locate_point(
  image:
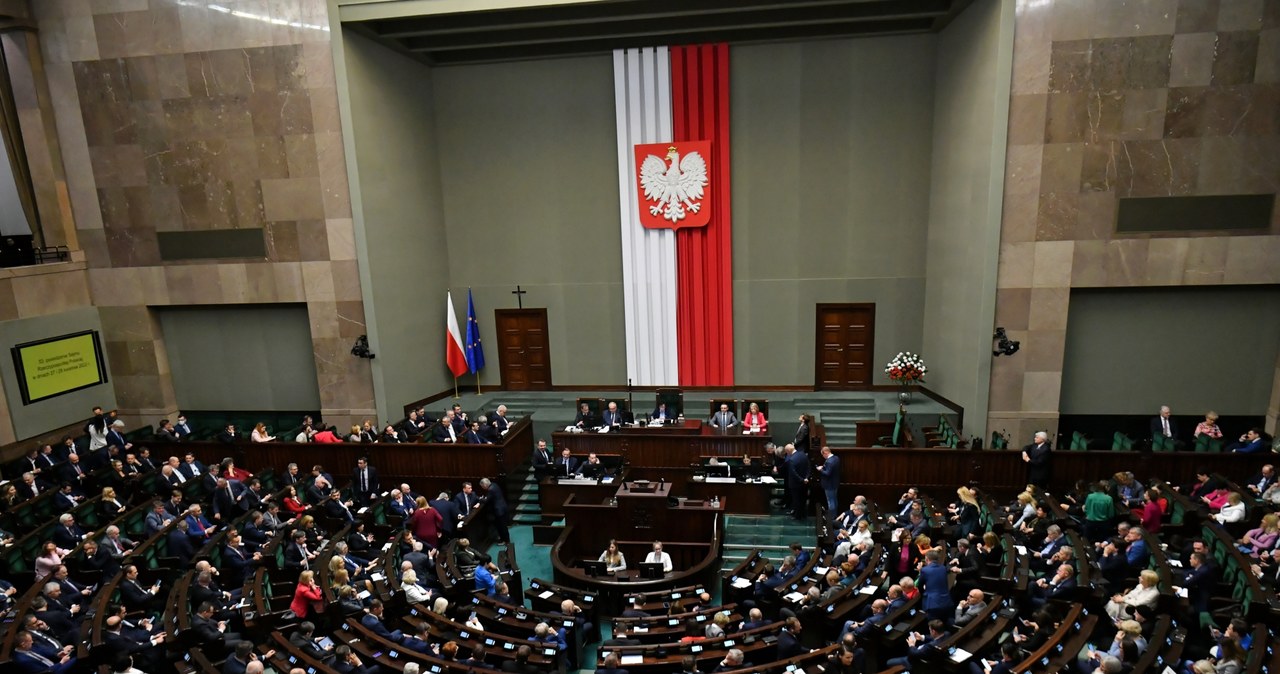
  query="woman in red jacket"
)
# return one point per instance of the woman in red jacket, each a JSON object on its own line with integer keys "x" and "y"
{"x": 425, "y": 523}
{"x": 292, "y": 504}
{"x": 230, "y": 471}
{"x": 308, "y": 597}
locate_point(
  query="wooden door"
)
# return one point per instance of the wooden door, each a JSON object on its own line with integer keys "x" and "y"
{"x": 524, "y": 353}
{"x": 845, "y": 345}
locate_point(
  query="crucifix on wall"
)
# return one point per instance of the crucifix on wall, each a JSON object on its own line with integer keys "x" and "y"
{"x": 519, "y": 296}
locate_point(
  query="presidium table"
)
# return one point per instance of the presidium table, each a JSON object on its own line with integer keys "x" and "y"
{"x": 675, "y": 454}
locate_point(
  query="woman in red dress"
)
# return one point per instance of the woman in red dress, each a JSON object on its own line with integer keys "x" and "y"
{"x": 425, "y": 523}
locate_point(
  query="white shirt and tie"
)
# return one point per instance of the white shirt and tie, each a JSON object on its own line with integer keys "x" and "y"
{"x": 364, "y": 480}
{"x": 1164, "y": 422}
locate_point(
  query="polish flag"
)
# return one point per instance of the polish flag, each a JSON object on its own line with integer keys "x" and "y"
{"x": 454, "y": 356}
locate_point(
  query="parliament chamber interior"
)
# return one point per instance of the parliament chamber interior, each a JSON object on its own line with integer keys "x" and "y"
{"x": 865, "y": 336}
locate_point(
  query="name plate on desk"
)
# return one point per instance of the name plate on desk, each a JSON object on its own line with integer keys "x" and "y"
{"x": 578, "y": 481}
{"x": 721, "y": 480}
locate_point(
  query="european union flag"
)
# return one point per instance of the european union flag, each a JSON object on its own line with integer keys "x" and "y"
{"x": 475, "y": 351}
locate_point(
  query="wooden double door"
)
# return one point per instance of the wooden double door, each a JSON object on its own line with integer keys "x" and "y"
{"x": 845, "y": 346}
{"x": 524, "y": 349}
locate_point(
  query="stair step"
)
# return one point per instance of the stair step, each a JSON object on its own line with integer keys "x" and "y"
{"x": 526, "y": 497}
{"x": 525, "y": 518}
{"x": 528, "y": 508}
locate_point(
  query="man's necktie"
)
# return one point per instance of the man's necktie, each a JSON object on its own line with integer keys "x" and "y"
{"x": 40, "y": 658}
{"x": 1165, "y": 421}
{"x": 364, "y": 480}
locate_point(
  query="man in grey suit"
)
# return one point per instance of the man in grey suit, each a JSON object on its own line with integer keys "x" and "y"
{"x": 724, "y": 418}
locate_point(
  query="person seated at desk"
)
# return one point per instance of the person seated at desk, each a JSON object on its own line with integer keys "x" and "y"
{"x": 659, "y": 557}
{"x": 660, "y": 413}
{"x": 592, "y": 467}
{"x": 724, "y": 418}
{"x": 612, "y": 417}
{"x": 754, "y": 420}
{"x": 474, "y": 437}
{"x": 585, "y": 418}
{"x": 566, "y": 464}
{"x": 1249, "y": 443}
{"x": 260, "y": 434}
{"x": 613, "y": 558}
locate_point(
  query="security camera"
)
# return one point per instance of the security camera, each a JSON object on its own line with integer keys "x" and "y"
{"x": 361, "y": 348}
{"x": 1004, "y": 345}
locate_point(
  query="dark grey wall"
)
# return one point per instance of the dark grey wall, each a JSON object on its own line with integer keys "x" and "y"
{"x": 528, "y": 165}
{"x": 246, "y": 357}
{"x": 46, "y": 415}
{"x": 830, "y": 195}
{"x": 399, "y": 221}
{"x": 970, "y": 119}
{"x": 1129, "y": 351}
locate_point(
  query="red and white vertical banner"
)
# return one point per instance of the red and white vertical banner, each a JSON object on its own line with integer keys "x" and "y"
{"x": 673, "y": 168}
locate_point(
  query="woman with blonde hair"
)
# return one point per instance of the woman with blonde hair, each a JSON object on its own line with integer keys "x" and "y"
{"x": 308, "y": 598}
{"x": 1146, "y": 593}
{"x": 110, "y": 505}
{"x": 1233, "y": 511}
{"x": 1028, "y": 504}
{"x": 754, "y": 420}
{"x": 1262, "y": 538}
{"x": 413, "y": 592}
{"x": 718, "y": 624}
{"x": 260, "y": 434}
{"x": 1209, "y": 426}
{"x": 965, "y": 512}
{"x": 862, "y": 534}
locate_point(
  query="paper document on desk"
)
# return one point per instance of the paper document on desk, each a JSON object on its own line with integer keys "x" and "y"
{"x": 769, "y": 479}
{"x": 742, "y": 583}
{"x": 1182, "y": 592}
{"x": 867, "y": 589}
{"x": 960, "y": 655}
{"x": 820, "y": 570}
{"x": 1175, "y": 563}
{"x": 1022, "y": 549}
{"x": 639, "y": 630}
{"x": 546, "y": 595}
{"x": 631, "y": 659}
{"x": 793, "y": 597}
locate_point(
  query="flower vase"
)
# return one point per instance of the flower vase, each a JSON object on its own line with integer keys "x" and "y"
{"x": 904, "y": 396}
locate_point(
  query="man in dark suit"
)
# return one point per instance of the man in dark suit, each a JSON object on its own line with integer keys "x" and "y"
{"x": 789, "y": 644}
{"x": 446, "y": 431}
{"x": 303, "y": 639}
{"x": 251, "y": 496}
{"x": 373, "y": 621}
{"x": 920, "y": 646}
{"x": 1037, "y": 455}
{"x": 496, "y": 504}
{"x": 585, "y": 417}
{"x": 56, "y": 616}
{"x": 541, "y": 459}
{"x": 296, "y": 555}
{"x": 1164, "y": 426}
{"x": 660, "y": 413}
{"x": 566, "y": 464}
{"x": 472, "y": 435}
{"x": 520, "y": 665}
{"x": 1061, "y": 587}
{"x": 226, "y": 501}
{"x": 499, "y": 420}
{"x": 143, "y": 648}
{"x": 364, "y": 482}
{"x": 191, "y": 468}
{"x": 335, "y": 508}
{"x": 73, "y": 471}
{"x": 182, "y": 428}
{"x": 67, "y": 535}
{"x": 133, "y": 595}
{"x": 797, "y": 480}
{"x": 206, "y": 630}
{"x": 166, "y": 433}
{"x": 115, "y": 436}
{"x": 1199, "y": 582}
{"x": 228, "y": 435}
{"x": 466, "y": 499}
{"x": 449, "y": 513}
{"x": 612, "y": 416}
{"x": 829, "y": 480}
{"x": 66, "y": 499}
{"x": 611, "y": 664}
{"x": 237, "y": 559}
{"x": 30, "y": 658}
{"x": 180, "y": 545}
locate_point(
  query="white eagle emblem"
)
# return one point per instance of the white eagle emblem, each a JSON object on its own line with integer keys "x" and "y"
{"x": 677, "y": 188}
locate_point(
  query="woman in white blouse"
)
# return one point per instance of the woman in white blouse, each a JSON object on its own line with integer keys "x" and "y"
{"x": 1233, "y": 511}
{"x": 412, "y": 590}
{"x": 1028, "y": 504}
{"x": 613, "y": 558}
{"x": 1145, "y": 594}
{"x": 861, "y": 534}
{"x": 260, "y": 434}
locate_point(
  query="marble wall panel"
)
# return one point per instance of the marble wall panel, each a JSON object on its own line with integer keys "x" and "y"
{"x": 1144, "y": 98}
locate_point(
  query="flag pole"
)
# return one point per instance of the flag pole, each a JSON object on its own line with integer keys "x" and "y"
{"x": 455, "y": 387}
{"x": 477, "y": 383}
